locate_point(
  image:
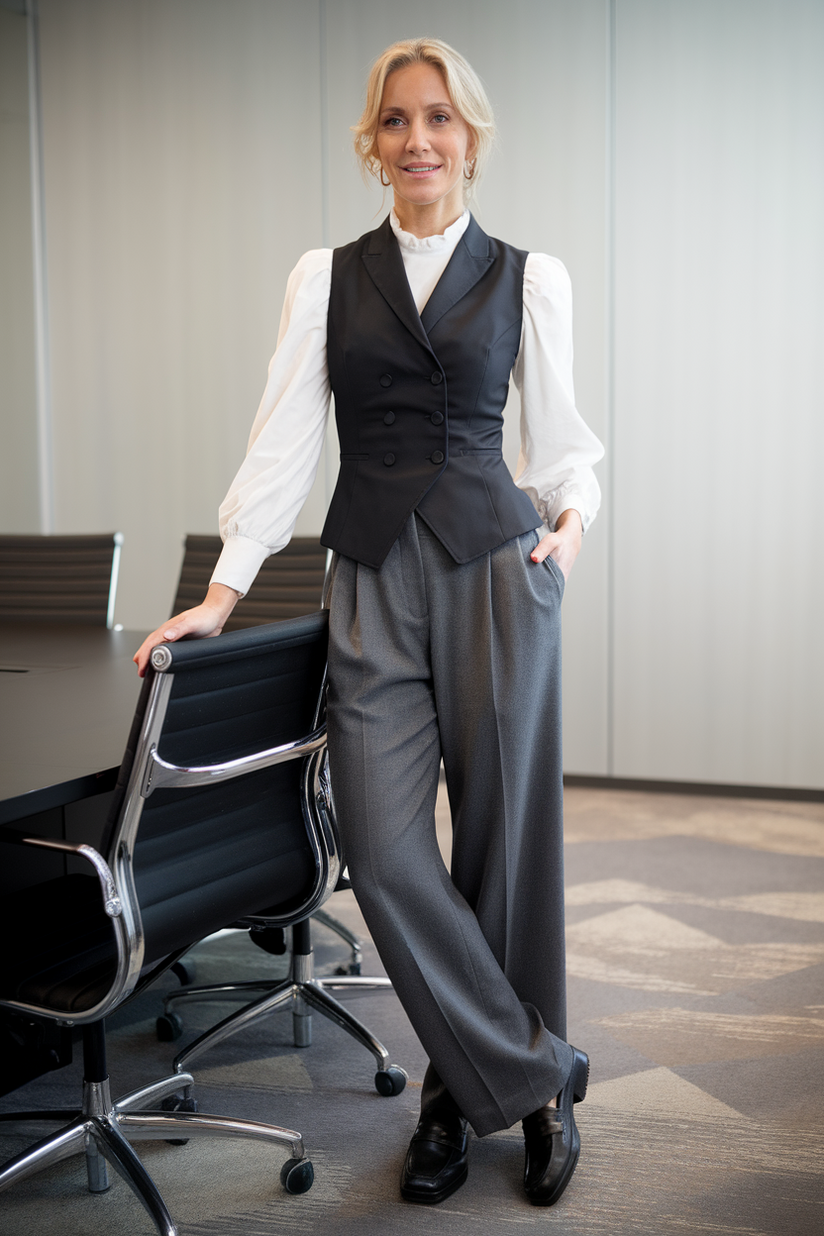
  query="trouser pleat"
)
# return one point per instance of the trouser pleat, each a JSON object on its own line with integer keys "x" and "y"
{"x": 430, "y": 659}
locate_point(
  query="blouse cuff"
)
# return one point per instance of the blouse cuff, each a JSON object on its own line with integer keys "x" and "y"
{"x": 565, "y": 497}
{"x": 239, "y": 563}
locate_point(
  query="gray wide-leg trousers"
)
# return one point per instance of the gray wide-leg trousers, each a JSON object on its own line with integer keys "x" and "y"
{"x": 429, "y": 659}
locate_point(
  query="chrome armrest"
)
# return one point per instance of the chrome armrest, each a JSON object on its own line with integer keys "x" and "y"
{"x": 111, "y": 900}
{"x": 159, "y": 772}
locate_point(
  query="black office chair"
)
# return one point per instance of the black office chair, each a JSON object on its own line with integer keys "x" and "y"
{"x": 59, "y": 578}
{"x": 222, "y": 810}
{"x": 289, "y": 583}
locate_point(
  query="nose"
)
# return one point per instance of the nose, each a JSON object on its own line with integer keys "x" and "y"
{"x": 417, "y": 138}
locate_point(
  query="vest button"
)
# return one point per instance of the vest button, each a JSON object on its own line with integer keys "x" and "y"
{"x": 389, "y": 419}
{"x": 389, "y": 459}
{"x": 386, "y": 379}
{"x": 437, "y": 418}
{"x": 437, "y": 457}
{"x": 436, "y": 378}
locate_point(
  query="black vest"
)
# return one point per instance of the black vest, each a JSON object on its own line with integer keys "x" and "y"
{"x": 419, "y": 399}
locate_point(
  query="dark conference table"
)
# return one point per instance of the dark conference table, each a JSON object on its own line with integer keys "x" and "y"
{"x": 67, "y": 696}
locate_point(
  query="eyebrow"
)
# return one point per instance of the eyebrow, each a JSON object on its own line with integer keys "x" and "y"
{"x": 397, "y": 111}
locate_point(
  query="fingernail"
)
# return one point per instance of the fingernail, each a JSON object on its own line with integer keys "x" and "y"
{"x": 533, "y": 557}
{"x": 168, "y": 634}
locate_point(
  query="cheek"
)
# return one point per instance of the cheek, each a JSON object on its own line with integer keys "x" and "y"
{"x": 459, "y": 152}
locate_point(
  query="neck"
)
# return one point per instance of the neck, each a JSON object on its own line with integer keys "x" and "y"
{"x": 430, "y": 220}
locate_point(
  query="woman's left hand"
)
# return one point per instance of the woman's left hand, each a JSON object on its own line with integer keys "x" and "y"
{"x": 563, "y": 544}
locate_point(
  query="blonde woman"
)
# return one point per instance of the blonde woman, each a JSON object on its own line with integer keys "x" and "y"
{"x": 444, "y": 600}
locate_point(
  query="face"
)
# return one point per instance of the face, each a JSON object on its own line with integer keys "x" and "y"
{"x": 423, "y": 141}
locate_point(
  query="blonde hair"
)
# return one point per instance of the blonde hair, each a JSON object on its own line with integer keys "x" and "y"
{"x": 462, "y": 82}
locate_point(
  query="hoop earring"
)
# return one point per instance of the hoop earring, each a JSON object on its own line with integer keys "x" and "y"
{"x": 387, "y": 184}
{"x": 471, "y": 165}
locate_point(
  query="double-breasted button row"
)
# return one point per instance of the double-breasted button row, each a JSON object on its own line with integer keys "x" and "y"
{"x": 435, "y": 417}
{"x": 437, "y": 457}
{"x": 436, "y": 379}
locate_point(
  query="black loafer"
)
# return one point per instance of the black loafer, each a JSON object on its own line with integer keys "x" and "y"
{"x": 436, "y": 1160}
{"x": 552, "y": 1140}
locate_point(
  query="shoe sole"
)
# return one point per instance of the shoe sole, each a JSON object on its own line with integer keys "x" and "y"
{"x": 580, "y": 1080}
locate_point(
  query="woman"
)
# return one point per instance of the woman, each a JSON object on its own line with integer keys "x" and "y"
{"x": 444, "y": 607}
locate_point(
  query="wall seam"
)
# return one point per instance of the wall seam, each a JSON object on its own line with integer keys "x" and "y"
{"x": 610, "y": 223}
{"x": 329, "y": 463}
{"x": 324, "y": 124}
{"x": 45, "y": 425}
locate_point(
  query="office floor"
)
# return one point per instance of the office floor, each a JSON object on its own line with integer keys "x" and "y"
{"x": 696, "y": 984}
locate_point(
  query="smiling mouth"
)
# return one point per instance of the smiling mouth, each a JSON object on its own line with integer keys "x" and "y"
{"x": 422, "y": 167}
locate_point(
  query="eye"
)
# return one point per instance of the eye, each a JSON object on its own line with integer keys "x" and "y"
{"x": 393, "y": 122}
{"x": 440, "y": 118}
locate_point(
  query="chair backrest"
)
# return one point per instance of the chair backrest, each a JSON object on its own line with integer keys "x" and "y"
{"x": 289, "y": 583}
{"x": 223, "y": 808}
{"x": 59, "y": 578}
{"x": 222, "y": 811}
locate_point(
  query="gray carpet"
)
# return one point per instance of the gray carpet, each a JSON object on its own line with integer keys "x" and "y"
{"x": 696, "y": 982}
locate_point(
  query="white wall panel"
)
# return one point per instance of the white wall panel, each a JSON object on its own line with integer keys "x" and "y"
{"x": 182, "y": 182}
{"x": 194, "y": 149}
{"x": 719, "y": 391}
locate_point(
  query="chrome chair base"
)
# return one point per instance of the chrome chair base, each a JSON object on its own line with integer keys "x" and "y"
{"x": 349, "y": 937}
{"x": 103, "y": 1131}
{"x": 304, "y": 993}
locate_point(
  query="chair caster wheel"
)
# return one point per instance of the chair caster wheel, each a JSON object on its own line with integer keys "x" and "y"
{"x": 184, "y": 971}
{"x": 177, "y": 1103}
{"x": 169, "y": 1027}
{"x": 390, "y": 1081}
{"x": 297, "y": 1175}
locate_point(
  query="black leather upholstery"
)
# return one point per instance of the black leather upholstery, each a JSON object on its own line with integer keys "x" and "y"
{"x": 56, "y": 578}
{"x": 288, "y": 584}
{"x": 204, "y": 856}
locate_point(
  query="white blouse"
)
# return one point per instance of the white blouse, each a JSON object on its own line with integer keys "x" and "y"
{"x": 259, "y": 513}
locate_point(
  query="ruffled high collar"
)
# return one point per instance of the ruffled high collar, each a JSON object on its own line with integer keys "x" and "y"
{"x": 429, "y": 244}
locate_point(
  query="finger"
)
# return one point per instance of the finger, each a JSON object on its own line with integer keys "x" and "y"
{"x": 142, "y": 656}
{"x": 144, "y": 652}
{"x": 543, "y": 548}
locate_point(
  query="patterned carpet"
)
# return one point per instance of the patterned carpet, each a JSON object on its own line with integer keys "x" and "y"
{"x": 696, "y": 964}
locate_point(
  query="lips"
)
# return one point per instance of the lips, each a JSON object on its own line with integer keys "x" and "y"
{"x": 422, "y": 167}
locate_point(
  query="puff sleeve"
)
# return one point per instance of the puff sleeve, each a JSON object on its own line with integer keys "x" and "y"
{"x": 558, "y": 450}
{"x": 258, "y": 514}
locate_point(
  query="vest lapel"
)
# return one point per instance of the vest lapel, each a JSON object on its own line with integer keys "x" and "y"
{"x": 382, "y": 259}
{"x": 468, "y": 264}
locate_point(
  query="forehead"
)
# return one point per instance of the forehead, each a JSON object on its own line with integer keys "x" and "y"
{"x": 415, "y": 85}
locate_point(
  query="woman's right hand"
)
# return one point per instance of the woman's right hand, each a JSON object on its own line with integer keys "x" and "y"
{"x": 202, "y": 621}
